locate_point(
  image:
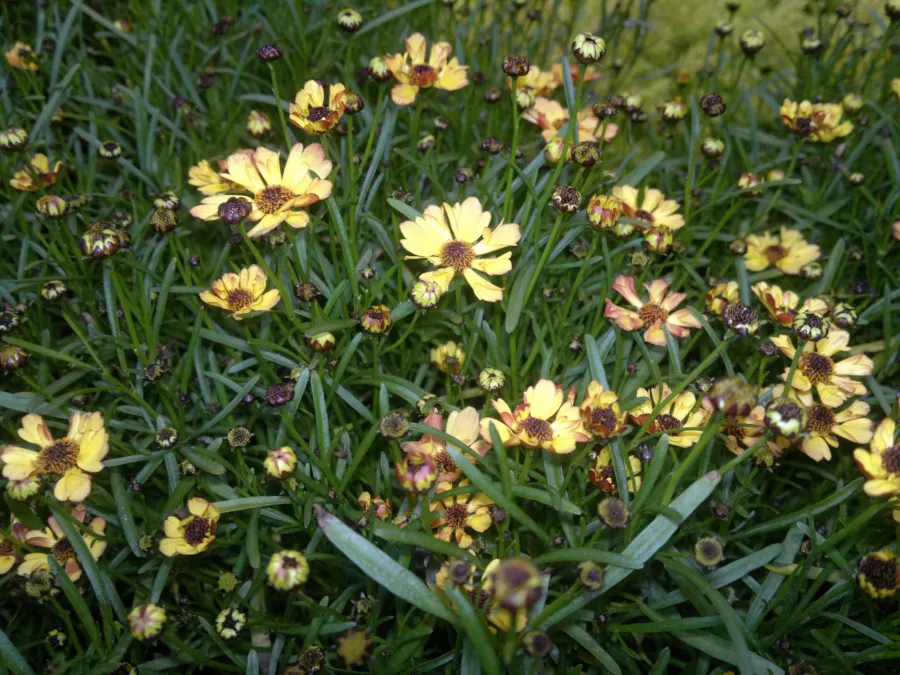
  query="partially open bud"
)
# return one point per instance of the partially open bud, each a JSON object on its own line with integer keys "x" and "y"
{"x": 555, "y": 151}
{"x": 51, "y": 206}
{"x": 566, "y": 199}
{"x": 147, "y": 621}
{"x": 712, "y": 148}
{"x": 394, "y": 425}
{"x": 425, "y": 294}
{"x": 603, "y": 211}
{"x": 810, "y": 326}
{"x": 287, "y": 570}
{"x": 748, "y": 181}
{"x": 588, "y": 48}
{"x": 785, "y": 417}
{"x": 230, "y": 623}
{"x": 100, "y": 241}
{"x": 741, "y": 318}
{"x": 515, "y": 65}
{"x": 613, "y": 512}
{"x": 752, "y": 41}
{"x": 844, "y": 315}
{"x": 258, "y": 124}
{"x": 515, "y": 584}
{"x": 673, "y": 111}
{"x": 376, "y": 320}
{"x": 416, "y": 472}
{"x": 732, "y": 396}
{"x": 321, "y": 342}
{"x": 280, "y": 463}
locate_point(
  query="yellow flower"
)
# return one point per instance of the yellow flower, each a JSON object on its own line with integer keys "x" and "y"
{"x": 789, "y": 252}
{"x": 53, "y": 539}
{"x": 818, "y": 369}
{"x": 193, "y": 533}
{"x": 354, "y": 646}
{"x": 448, "y": 357}
{"x": 823, "y": 425}
{"x": 720, "y": 296}
{"x": 545, "y": 419}
{"x": 287, "y": 570}
{"x": 678, "y": 418}
{"x": 315, "y": 114}
{"x": 276, "y": 198}
{"x": 382, "y": 507}
{"x": 600, "y": 412}
{"x": 536, "y": 82}
{"x": 258, "y": 124}
{"x": 743, "y": 431}
{"x": 147, "y": 621}
{"x": 603, "y": 475}
{"x": 895, "y": 86}
{"x": 22, "y": 57}
{"x": 454, "y": 239}
{"x": 413, "y": 72}
{"x": 551, "y": 117}
{"x": 243, "y": 293}
{"x": 37, "y": 175}
{"x": 463, "y": 425}
{"x": 819, "y": 122}
{"x": 782, "y": 305}
{"x": 655, "y": 209}
{"x": 878, "y": 574}
{"x": 653, "y": 314}
{"x": 72, "y": 458}
{"x": 208, "y": 180}
{"x": 465, "y": 511}
{"x": 8, "y": 556}
{"x": 881, "y": 464}
{"x": 280, "y": 463}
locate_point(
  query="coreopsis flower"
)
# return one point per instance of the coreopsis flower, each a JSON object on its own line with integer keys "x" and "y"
{"x": 36, "y": 174}
{"x": 416, "y": 471}
{"x": 752, "y": 41}
{"x": 818, "y": 369}
{"x": 491, "y": 380}
{"x": 354, "y": 646}
{"x": 287, "y": 570}
{"x": 878, "y": 573}
{"x": 603, "y": 211}
{"x": 653, "y": 314}
{"x": 413, "y": 72}
{"x": 315, "y": 113}
{"x": 242, "y": 293}
{"x": 8, "y": 555}
{"x": 73, "y": 458}
{"x": 810, "y": 326}
{"x": 463, "y": 425}
{"x": 20, "y": 490}
{"x": 551, "y": 117}
{"x": 455, "y": 239}
{"x": 535, "y": 82}
{"x": 514, "y": 583}
{"x": 258, "y": 124}
{"x": 895, "y": 86}
{"x": 741, "y": 318}
{"x": 230, "y": 623}
{"x": 193, "y": 533}
{"x": 280, "y": 463}
{"x": 54, "y": 540}
{"x": 712, "y": 147}
{"x": 147, "y": 621}
{"x": 818, "y": 122}
{"x": 674, "y": 110}
{"x": 720, "y": 296}
{"x": 881, "y": 463}
{"x": 349, "y": 20}
{"x": 12, "y": 357}
{"x": 654, "y": 209}
{"x": 382, "y": 507}
{"x": 824, "y": 425}
{"x": 603, "y": 475}
{"x": 743, "y": 431}
{"x": 14, "y": 138}
{"x": 376, "y": 320}
{"x": 546, "y": 419}
{"x": 448, "y": 357}
{"x": 708, "y": 551}
{"x": 749, "y": 181}
{"x": 22, "y": 57}
{"x": 680, "y": 418}
{"x": 460, "y": 513}
{"x": 277, "y": 197}
{"x": 208, "y": 180}
{"x": 789, "y": 252}
{"x": 782, "y": 305}
{"x": 588, "y": 48}
{"x": 600, "y": 412}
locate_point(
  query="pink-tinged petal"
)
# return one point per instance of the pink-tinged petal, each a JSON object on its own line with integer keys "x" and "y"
{"x": 858, "y": 365}
{"x": 672, "y": 300}
{"x": 624, "y": 318}
{"x": 655, "y": 335}
{"x": 683, "y": 318}
{"x": 657, "y": 290}
{"x": 625, "y": 286}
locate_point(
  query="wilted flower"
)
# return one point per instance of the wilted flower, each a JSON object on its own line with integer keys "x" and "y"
{"x": 455, "y": 239}
{"x": 287, "y": 570}
{"x": 603, "y": 475}
{"x": 280, "y": 393}
{"x": 651, "y": 315}
{"x": 381, "y": 506}
{"x": 22, "y": 57}
{"x": 545, "y": 419}
{"x": 413, "y": 72}
{"x": 551, "y": 117}
{"x": 242, "y": 293}
{"x": 147, "y": 621}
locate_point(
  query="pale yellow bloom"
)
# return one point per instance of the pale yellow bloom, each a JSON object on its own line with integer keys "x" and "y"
{"x": 681, "y": 418}
{"x": 551, "y": 117}
{"x": 654, "y": 209}
{"x": 54, "y": 540}
{"x": 193, "y": 533}
{"x": 413, "y": 72}
{"x": 819, "y": 122}
{"x": 789, "y": 252}
{"x": 313, "y": 112}
{"x": 881, "y": 464}
{"x": 242, "y": 293}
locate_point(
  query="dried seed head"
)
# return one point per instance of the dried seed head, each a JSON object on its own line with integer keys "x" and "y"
{"x": 268, "y": 53}
{"x": 566, "y": 199}
{"x": 713, "y": 104}
{"x": 394, "y": 425}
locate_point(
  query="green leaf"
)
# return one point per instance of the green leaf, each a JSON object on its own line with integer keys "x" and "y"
{"x": 517, "y": 297}
{"x": 253, "y": 541}
{"x": 12, "y": 658}
{"x": 406, "y": 210}
{"x": 73, "y": 595}
{"x": 581, "y": 636}
{"x": 323, "y": 436}
{"x": 638, "y": 173}
{"x": 381, "y": 568}
{"x": 252, "y": 663}
{"x": 596, "y": 352}
{"x": 543, "y": 497}
{"x": 579, "y": 554}
{"x": 244, "y": 503}
{"x": 388, "y": 532}
{"x": 391, "y": 15}
{"x": 123, "y": 511}
{"x": 477, "y": 631}
{"x": 161, "y": 300}
{"x": 231, "y": 405}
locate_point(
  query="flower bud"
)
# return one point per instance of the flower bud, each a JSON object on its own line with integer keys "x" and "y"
{"x": 588, "y": 48}
{"x": 785, "y": 417}
{"x": 566, "y": 199}
{"x": 100, "y": 241}
{"x": 51, "y": 206}
{"x": 353, "y": 103}
{"x": 280, "y": 393}
{"x": 752, "y": 41}
{"x": 713, "y": 104}
{"x": 747, "y": 182}
{"x": 708, "y": 551}
{"x": 230, "y": 623}
{"x": 378, "y": 69}
{"x": 586, "y": 154}
{"x": 349, "y": 20}
{"x": 280, "y": 463}
{"x": 712, "y": 148}
{"x": 674, "y": 110}
{"x": 109, "y": 150}
{"x": 258, "y": 124}
{"x": 147, "y": 621}
{"x": 852, "y": 103}
{"x": 613, "y": 512}
{"x": 537, "y": 644}
{"x": 426, "y": 143}
{"x": 878, "y": 573}
{"x": 234, "y": 209}
{"x": 515, "y": 584}
{"x": 268, "y": 53}
{"x": 394, "y": 425}
{"x": 14, "y": 138}
{"x": 810, "y": 326}
{"x": 306, "y": 292}
{"x": 844, "y": 315}
{"x": 741, "y": 318}
{"x": 491, "y": 145}
{"x": 287, "y": 570}
{"x": 376, "y": 320}
{"x": 603, "y": 211}
{"x": 515, "y": 65}
{"x": 12, "y": 357}
{"x": 591, "y": 575}
{"x": 555, "y": 151}
{"x": 732, "y": 396}
{"x": 723, "y": 28}
{"x": 321, "y": 342}
{"x": 163, "y": 220}
{"x": 239, "y": 437}
{"x": 425, "y": 294}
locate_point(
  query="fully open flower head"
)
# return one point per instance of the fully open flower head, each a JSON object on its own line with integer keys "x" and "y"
{"x": 824, "y": 425}
{"x": 654, "y": 209}
{"x": 881, "y": 463}
{"x": 413, "y": 72}
{"x": 603, "y": 475}
{"x": 455, "y": 239}
{"x": 460, "y": 513}
{"x": 551, "y": 117}
{"x": 22, "y": 57}
{"x": 720, "y": 296}
{"x": 789, "y": 252}
{"x": 878, "y": 574}
{"x": 147, "y": 621}
{"x": 782, "y": 305}
{"x": 73, "y": 458}
{"x": 37, "y": 174}
{"x": 275, "y": 197}
{"x": 818, "y": 369}
{"x": 659, "y": 310}
{"x": 546, "y": 419}
{"x": 209, "y": 181}
{"x": 536, "y": 82}
{"x": 54, "y": 540}
{"x": 461, "y": 424}
{"x": 600, "y": 412}
{"x": 193, "y": 533}
{"x": 313, "y": 112}
{"x": 680, "y": 418}
{"x": 819, "y": 122}
{"x": 242, "y": 293}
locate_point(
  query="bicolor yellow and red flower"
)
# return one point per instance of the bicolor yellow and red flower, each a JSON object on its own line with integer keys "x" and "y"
{"x": 681, "y": 418}
{"x": 313, "y": 112}
{"x": 460, "y": 513}
{"x": 652, "y": 315}
{"x": 57, "y": 546}
{"x": 463, "y": 425}
{"x": 601, "y": 413}
{"x": 551, "y": 117}
{"x": 603, "y": 475}
{"x": 37, "y": 174}
{"x": 782, "y": 305}
{"x": 819, "y": 122}
{"x": 242, "y": 293}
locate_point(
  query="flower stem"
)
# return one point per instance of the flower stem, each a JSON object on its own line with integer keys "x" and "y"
{"x": 284, "y": 126}
{"x": 510, "y": 169}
